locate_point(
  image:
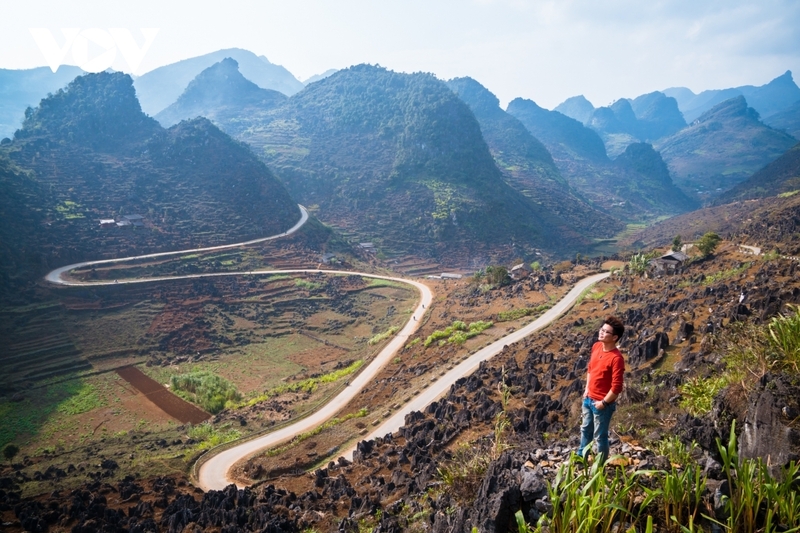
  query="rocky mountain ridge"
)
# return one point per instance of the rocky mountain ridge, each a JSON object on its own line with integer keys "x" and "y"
{"x": 88, "y": 153}
{"x": 722, "y": 148}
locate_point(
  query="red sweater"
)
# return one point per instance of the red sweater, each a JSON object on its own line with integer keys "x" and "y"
{"x": 606, "y": 370}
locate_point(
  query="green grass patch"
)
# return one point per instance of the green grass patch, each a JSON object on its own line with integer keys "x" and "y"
{"x": 45, "y": 407}
{"x": 306, "y": 385}
{"x": 84, "y": 400}
{"x": 457, "y": 333}
{"x": 514, "y": 314}
{"x": 307, "y": 285}
{"x": 383, "y": 336}
{"x": 206, "y": 389}
{"x": 412, "y": 342}
{"x": 375, "y": 282}
{"x": 725, "y": 274}
{"x": 698, "y": 394}
{"x": 208, "y": 436}
{"x": 788, "y": 194}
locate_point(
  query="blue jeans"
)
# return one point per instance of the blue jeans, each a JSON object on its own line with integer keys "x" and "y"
{"x": 594, "y": 426}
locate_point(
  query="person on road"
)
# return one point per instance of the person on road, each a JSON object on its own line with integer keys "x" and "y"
{"x": 604, "y": 381}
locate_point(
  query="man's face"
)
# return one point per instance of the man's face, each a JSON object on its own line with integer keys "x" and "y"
{"x": 607, "y": 334}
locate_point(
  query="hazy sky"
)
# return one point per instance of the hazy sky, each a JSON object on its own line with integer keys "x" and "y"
{"x": 543, "y": 50}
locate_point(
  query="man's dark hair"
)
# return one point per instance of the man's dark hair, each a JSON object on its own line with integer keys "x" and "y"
{"x": 616, "y": 323}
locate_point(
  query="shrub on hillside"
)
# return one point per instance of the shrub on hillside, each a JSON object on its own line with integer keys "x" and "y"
{"x": 206, "y": 389}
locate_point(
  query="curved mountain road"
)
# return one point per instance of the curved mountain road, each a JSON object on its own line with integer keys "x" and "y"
{"x": 469, "y": 365}
{"x": 55, "y": 275}
{"x": 213, "y": 473}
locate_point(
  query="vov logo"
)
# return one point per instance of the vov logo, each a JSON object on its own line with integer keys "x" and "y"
{"x": 104, "y": 45}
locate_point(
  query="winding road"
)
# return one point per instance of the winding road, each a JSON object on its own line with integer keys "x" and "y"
{"x": 55, "y": 275}
{"x": 213, "y": 473}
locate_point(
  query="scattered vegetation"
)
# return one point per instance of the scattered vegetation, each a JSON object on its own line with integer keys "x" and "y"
{"x": 10, "y": 451}
{"x": 412, "y": 342}
{"x": 458, "y": 332}
{"x": 639, "y": 263}
{"x": 463, "y": 473}
{"x": 752, "y": 350}
{"x": 725, "y": 274}
{"x": 514, "y": 314}
{"x": 209, "y": 436}
{"x": 84, "y": 400}
{"x": 675, "y": 450}
{"x": 383, "y": 336}
{"x": 333, "y": 422}
{"x": 206, "y": 389}
{"x": 307, "y": 285}
{"x": 306, "y": 385}
{"x": 493, "y": 276}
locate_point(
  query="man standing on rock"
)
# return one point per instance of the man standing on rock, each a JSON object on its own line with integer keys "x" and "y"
{"x": 603, "y": 385}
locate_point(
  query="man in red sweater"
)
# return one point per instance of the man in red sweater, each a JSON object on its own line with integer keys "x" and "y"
{"x": 603, "y": 385}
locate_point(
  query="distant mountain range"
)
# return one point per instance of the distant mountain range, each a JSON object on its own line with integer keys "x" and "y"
{"x": 774, "y": 97}
{"x": 20, "y": 89}
{"x": 636, "y": 185}
{"x": 162, "y": 86}
{"x": 528, "y": 167}
{"x": 655, "y": 116}
{"x": 230, "y": 100}
{"x": 407, "y": 161}
{"x": 722, "y": 148}
{"x": 88, "y": 153}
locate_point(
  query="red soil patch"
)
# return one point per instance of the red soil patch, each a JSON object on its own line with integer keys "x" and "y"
{"x": 155, "y": 392}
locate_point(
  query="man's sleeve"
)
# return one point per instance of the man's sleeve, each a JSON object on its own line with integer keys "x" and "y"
{"x": 617, "y": 374}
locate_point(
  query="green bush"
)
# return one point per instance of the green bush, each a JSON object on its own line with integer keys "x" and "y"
{"x": 698, "y": 394}
{"x": 708, "y": 243}
{"x": 784, "y": 337}
{"x": 208, "y": 390}
{"x": 457, "y": 333}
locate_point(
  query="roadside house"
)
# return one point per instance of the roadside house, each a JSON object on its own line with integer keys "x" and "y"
{"x": 668, "y": 262}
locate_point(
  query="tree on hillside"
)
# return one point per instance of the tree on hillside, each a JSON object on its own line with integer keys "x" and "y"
{"x": 677, "y": 243}
{"x": 708, "y": 243}
{"x": 10, "y": 451}
{"x": 497, "y": 276}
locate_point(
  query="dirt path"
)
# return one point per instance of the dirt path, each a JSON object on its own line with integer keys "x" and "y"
{"x": 154, "y": 391}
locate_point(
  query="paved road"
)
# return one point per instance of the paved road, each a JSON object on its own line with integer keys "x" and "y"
{"x": 55, "y": 275}
{"x": 213, "y": 473}
{"x": 442, "y": 385}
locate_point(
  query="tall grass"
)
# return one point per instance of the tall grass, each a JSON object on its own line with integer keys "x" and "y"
{"x": 208, "y": 390}
{"x": 784, "y": 337}
{"x": 458, "y": 332}
{"x": 602, "y": 500}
